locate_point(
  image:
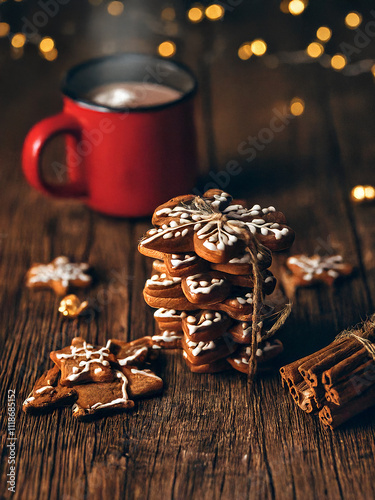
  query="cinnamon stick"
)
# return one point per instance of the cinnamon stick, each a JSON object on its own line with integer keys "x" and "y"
{"x": 332, "y": 415}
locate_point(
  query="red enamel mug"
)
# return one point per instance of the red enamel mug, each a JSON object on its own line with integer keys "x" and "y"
{"x": 121, "y": 161}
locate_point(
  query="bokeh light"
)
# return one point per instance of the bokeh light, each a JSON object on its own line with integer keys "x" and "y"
{"x": 215, "y": 12}
{"x": 51, "y": 55}
{"x": 324, "y": 33}
{"x": 167, "y": 48}
{"x": 4, "y": 29}
{"x": 373, "y": 70}
{"x": 353, "y": 20}
{"x": 296, "y": 7}
{"x": 115, "y": 8}
{"x": 195, "y": 14}
{"x": 369, "y": 192}
{"x": 338, "y": 62}
{"x": 245, "y": 52}
{"x": 46, "y": 44}
{"x": 18, "y": 40}
{"x": 363, "y": 193}
{"x": 315, "y": 49}
{"x": 297, "y": 106}
{"x": 258, "y": 47}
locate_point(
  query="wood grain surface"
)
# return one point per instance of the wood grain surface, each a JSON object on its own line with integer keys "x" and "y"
{"x": 208, "y": 436}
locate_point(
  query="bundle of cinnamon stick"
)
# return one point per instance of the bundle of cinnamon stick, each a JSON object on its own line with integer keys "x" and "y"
{"x": 338, "y": 381}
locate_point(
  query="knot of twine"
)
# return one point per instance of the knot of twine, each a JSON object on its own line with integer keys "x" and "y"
{"x": 364, "y": 335}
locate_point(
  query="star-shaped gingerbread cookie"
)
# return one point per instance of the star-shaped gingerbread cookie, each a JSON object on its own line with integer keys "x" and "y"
{"x": 212, "y": 227}
{"x": 307, "y": 270}
{"x": 59, "y": 275}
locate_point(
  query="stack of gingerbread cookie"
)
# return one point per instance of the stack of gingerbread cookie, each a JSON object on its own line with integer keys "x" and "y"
{"x": 202, "y": 281}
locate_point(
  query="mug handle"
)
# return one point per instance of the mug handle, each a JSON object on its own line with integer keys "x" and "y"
{"x": 36, "y": 139}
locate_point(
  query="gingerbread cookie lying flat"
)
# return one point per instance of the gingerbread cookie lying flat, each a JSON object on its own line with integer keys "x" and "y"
{"x": 136, "y": 352}
{"x": 49, "y": 394}
{"x": 104, "y": 379}
{"x": 82, "y": 362}
{"x": 306, "y": 271}
{"x": 59, "y": 275}
{"x": 111, "y": 397}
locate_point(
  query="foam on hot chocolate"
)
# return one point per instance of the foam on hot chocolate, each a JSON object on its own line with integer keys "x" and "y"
{"x": 133, "y": 95}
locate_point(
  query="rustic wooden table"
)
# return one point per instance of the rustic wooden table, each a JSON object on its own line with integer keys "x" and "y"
{"x": 207, "y": 436}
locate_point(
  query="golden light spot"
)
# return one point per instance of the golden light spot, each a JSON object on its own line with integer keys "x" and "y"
{"x": 195, "y": 14}
{"x": 353, "y": 20}
{"x": 296, "y": 7}
{"x": 245, "y": 52}
{"x": 215, "y": 12}
{"x": 324, "y": 33}
{"x": 373, "y": 70}
{"x": 338, "y": 62}
{"x": 4, "y": 29}
{"x": 115, "y": 8}
{"x": 51, "y": 55}
{"x": 369, "y": 192}
{"x": 358, "y": 193}
{"x": 18, "y": 40}
{"x": 297, "y": 106}
{"x": 258, "y": 47}
{"x": 167, "y": 49}
{"x": 315, "y": 49}
{"x": 168, "y": 14}
{"x": 46, "y": 44}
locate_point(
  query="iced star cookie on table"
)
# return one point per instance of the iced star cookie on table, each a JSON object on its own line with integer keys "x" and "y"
{"x": 59, "y": 275}
{"x": 304, "y": 271}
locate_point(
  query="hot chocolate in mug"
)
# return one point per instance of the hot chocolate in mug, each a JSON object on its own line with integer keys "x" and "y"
{"x": 130, "y": 138}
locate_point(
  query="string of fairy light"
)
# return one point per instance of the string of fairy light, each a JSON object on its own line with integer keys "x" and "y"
{"x": 197, "y": 13}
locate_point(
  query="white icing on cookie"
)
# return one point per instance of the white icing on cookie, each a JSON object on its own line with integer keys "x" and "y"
{"x": 132, "y": 357}
{"x": 117, "y": 401}
{"x": 198, "y": 347}
{"x": 60, "y": 269}
{"x": 162, "y": 280}
{"x": 86, "y": 351}
{"x": 167, "y": 336}
{"x": 197, "y": 286}
{"x": 219, "y": 229}
{"x": 317, "y": 265}
{"x": 178, "y": 260}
